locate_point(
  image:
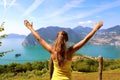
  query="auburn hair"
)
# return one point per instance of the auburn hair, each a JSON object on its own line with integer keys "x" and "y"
{"x": 60, "y": 47}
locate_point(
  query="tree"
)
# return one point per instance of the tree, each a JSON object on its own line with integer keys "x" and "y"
{"x": 2, "y": 36}
{"x": 2, "y": 29}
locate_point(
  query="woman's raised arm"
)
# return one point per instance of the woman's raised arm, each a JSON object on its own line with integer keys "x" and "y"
{"x": 37, "y": 36}
{"x": 78, "y": 45}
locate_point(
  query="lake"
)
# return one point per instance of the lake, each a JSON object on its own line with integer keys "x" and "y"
{"x": 34, "y": 53}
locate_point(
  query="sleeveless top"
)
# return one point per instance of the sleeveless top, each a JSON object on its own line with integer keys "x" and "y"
{"x": 62, "y": 73}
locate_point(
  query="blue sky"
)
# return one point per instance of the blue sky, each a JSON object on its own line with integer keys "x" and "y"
{"x": 63, "y": 13}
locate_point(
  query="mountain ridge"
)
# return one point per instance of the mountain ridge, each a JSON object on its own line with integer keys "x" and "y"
{"x": 110, "y": 36}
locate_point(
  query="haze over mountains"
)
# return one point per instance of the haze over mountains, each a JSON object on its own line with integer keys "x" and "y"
{"x": 110, "y": 36}
{"x": 13, "y": 35}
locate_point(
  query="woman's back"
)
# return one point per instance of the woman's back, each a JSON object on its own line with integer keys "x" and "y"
{"x": 62, "y": 73}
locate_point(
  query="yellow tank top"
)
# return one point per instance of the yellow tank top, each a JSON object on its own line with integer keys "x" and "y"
{"x": 62, "y": 73}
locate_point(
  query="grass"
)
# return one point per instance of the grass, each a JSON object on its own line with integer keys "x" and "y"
{"x": 107, "y": 75}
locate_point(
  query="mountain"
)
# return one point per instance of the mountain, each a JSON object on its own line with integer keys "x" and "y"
{"x": 49, "y": 34}
{"x": 110, "y": 36}
{"x": 13, "y": 35}
{"x": 114, "y": 29}
{"x": 82, "y": 31}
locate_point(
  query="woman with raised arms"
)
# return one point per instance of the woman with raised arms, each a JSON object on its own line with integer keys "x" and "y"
{"x": 60, "y": 54}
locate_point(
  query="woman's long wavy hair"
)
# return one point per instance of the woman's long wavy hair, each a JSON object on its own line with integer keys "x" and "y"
{"x": 60, "y": 47}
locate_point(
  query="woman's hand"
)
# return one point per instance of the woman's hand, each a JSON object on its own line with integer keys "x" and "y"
{"x": 28, "y": 24}
{"x": 98, "y": 25}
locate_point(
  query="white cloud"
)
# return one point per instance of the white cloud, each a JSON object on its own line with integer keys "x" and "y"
{"x": 76, "y": 3}
{"x": 100, "y": 8}
{"x": 67, "y": 7}
{"x": 33, "y": 7}
{"x": 8, "y": 3}
{"x": 98, "y": 16}
{"x": 4, "y": 3}
{"x": 12, "y": 3}
{"x": 85, "y": 22}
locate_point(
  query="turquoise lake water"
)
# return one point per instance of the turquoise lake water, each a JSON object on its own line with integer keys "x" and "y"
{"x": 34, "y": 53}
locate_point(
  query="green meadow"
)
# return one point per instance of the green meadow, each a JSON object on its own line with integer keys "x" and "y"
{"x": 82, "y": 69}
